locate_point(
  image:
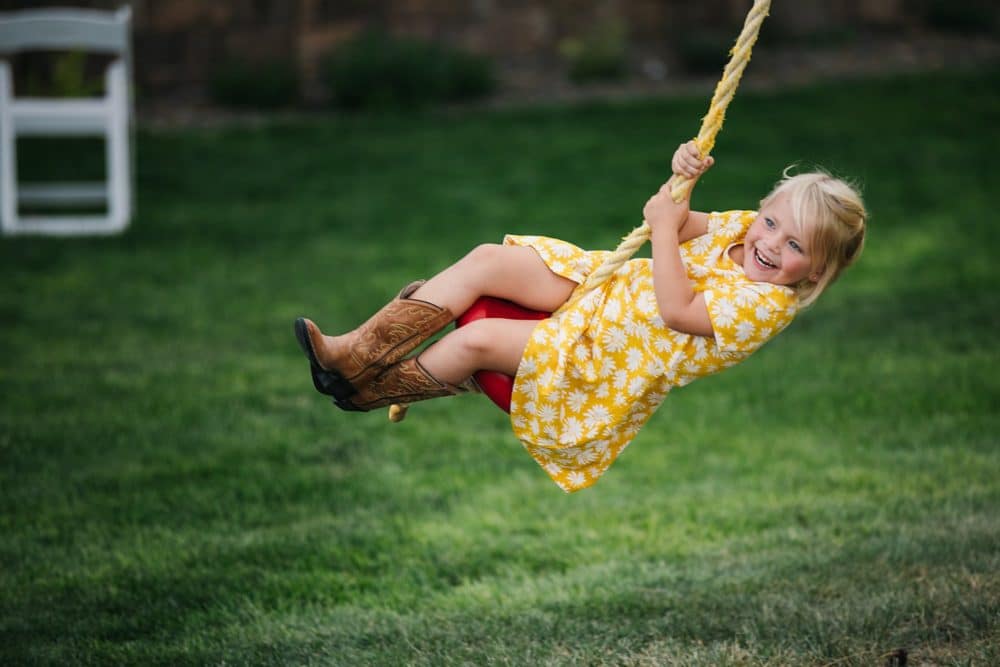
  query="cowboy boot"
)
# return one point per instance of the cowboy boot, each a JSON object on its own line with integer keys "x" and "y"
{"x": 405, "y": 382}
{"x": 342, "y": 365}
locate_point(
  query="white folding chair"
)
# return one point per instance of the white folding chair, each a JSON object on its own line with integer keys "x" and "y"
{"x": 109, "y": 116}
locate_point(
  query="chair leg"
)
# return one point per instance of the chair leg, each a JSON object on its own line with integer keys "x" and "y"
{"x": 8, "y": 159}
{"x": 117, "y": 149}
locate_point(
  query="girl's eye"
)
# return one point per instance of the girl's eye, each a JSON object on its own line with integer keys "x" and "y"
{"x": 769, "y": 223}
{"x": 795, "y": 246}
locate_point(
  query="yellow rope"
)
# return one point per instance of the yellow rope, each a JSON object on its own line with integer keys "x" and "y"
{"x": 680, "y": 185}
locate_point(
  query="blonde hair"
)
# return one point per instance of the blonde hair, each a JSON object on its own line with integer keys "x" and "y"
{"x": 831, "y": 215}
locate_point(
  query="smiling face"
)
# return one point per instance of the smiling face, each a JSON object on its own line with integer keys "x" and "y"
{"x": 774, "y": 250}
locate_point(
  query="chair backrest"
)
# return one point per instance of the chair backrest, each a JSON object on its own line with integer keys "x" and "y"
{"x": 57, "y": 29}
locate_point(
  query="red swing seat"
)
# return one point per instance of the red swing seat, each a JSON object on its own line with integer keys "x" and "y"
{"x": 497, "y": 386}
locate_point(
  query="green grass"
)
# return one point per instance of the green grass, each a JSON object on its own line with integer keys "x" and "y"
{"x": 172, "y": 490}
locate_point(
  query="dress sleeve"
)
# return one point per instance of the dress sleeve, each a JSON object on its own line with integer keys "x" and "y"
{"x": 745, "y": 314}
{"x": 729, "y": 226}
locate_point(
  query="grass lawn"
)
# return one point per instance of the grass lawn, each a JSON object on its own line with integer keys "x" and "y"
{"x": 173, "y": 491}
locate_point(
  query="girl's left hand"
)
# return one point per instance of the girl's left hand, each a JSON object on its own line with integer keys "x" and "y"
{"x": 687, "y": 161}
{"x": 661, "y": 211}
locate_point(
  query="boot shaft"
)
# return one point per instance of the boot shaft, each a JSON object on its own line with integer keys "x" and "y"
{"x": 405, "y": 382}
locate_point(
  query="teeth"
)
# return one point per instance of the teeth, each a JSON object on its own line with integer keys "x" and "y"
{"x": 760, "y": 258}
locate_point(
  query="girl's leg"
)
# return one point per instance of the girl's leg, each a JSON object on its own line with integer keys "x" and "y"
{"x": 491, "y": 344}
{"x": 515, "y": 273}
{"x": 342, "y": 365}
{"x": 441, "y": 370}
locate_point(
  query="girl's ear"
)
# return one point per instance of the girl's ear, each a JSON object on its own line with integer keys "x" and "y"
{"x": 815, "y": 276}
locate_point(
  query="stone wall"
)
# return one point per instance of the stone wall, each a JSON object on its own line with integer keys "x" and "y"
{"x": 178, "y": 43}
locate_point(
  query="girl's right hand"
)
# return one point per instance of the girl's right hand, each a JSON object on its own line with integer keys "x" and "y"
{"x": 662, "y": 212}
{"x": 688, "y": 162}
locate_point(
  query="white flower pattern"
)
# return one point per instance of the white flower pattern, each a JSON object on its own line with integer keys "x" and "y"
{"x": 594, "y": 374}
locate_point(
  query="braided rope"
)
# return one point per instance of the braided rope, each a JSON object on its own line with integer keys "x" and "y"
{"x": 680, "y": 186}
{"x": 705, "y": 141}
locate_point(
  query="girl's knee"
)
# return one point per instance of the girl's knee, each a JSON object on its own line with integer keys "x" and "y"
{"x": 491, "y": 344}
{"x": 477, "y": 338}
{"x": 484, "y": 265}
{"x": 485, "y": 253}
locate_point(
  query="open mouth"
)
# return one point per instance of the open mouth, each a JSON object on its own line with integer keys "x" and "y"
{"x": 762, "y": 261}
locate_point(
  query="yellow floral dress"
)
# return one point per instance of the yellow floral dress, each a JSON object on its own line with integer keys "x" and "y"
{"x": 592, "y": 375}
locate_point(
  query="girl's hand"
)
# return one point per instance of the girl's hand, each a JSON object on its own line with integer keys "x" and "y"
{"x": 687, "y": 161}
{"x": 662, "y": 213}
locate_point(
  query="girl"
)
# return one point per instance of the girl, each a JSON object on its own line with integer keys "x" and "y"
{"x": 718, "y": 287}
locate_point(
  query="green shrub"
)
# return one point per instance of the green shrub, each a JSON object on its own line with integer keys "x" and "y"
{"x": 467, "y": 76}
{"x": 265, "y": 85}
{"x": 704, "y": 52}
{"x": 63, "y": 74}
{"x": 962, "y": 17}
{"x": 777, "y": 36}
{"x": 69, "y": 76}
{"x": 376, "y": 70}
{"x": 600, "y": 55}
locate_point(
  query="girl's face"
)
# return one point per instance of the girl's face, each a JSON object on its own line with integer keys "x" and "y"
{"x": 773, "y": 250}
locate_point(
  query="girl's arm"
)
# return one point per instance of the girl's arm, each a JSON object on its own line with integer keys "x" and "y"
{"x": 680, "y": 307}
{"x": 671, "y": 224}
{"x": 695, "y": 225}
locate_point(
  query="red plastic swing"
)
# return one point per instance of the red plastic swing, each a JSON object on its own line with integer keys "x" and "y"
{"x": 497, "y": 386}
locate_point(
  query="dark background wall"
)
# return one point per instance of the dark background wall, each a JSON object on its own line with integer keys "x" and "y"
{"x": 178, "y": 43}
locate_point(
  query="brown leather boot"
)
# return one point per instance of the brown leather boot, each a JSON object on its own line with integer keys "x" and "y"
{"x": 343, "y": 365}
{"x": 405, "y": 382}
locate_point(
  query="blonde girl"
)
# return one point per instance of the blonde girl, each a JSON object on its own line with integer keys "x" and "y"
{"x": 718, "y": 286}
